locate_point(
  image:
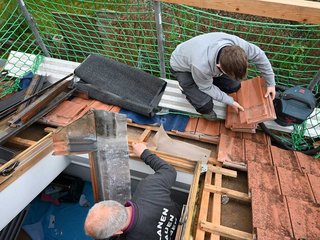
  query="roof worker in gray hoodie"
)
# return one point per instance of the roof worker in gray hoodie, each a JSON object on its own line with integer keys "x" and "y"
{"x": 211, "y": 65}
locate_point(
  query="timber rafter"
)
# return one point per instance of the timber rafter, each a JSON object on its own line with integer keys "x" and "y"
{"x": 299, "y": 10}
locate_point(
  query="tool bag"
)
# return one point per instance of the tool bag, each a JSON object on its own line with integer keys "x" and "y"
{"x": 294, "y": 105}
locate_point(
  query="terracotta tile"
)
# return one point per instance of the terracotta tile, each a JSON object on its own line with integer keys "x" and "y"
{"x": 305, "y": 219}
{"x": 295, "y": 184}
{"x": 100, "y": 106}
{"x": 309, "y": 164}
{"x": 268, "y": 235}
{"x": 211, "y": 128}
{"x": 115, "y": 109}
{"x": 284, "y": 158}
{"x": 269, "y": 212}
{"x": 258, "y": 137}
{"x": 315, "y": 186}
{"x": 82, "y": 100}
{"x": 264, "y": 177}
{"x": 65, "y": 113}
{"x": 256, "y": 152}
{"x": 231, "y": 150}
{"x": 233, "y": 120}
{"x": 250, "y": 97}
{"x": 228, "y": 132}
{"x": 192, "y": 125}
{"x": 231, "y": 115}
{"x": 257, "y": 107}
{"x": 245, "y": 129}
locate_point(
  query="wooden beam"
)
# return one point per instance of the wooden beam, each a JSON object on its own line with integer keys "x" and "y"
{"x": 229, "y": 192}
{"x": 223, "y": 171}
{"x": 226, "y": 231}
{"x": 21, "y": 141}
{"x": 192, "y": 202}
{"x": 298, "y": 10}
{"x": 27, "y": 159}
{"x": 204, "y": 205}
{"x": 216, "y": 209}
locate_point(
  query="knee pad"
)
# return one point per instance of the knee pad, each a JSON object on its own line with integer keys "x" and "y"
{"x": 205, "y": 109}
{"x": 234, "y": 87}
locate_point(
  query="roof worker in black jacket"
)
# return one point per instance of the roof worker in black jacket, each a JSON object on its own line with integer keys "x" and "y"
{"x": 211, "y": 65}
{"x": 151, "y": 213}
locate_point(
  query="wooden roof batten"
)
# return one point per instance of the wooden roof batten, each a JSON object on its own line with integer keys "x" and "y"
{"x": 299, "y": 10}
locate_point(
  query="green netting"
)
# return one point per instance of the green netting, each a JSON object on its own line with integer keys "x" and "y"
{"x": 126, "y": 31}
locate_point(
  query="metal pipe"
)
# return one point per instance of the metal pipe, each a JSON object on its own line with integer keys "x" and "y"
{"x": 33, "y": 27}
{"x": 160, "y": 37}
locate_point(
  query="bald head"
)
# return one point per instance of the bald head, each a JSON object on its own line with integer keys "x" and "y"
{"x": 105, "y": 219}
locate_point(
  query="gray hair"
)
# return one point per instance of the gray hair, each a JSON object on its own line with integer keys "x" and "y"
{"x": 105, "y": 218}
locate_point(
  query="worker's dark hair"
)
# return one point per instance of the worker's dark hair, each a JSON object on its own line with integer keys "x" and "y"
{"x": 234, "y": 62}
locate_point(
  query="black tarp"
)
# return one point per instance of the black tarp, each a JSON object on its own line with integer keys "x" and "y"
{"x": 119, "y": 84}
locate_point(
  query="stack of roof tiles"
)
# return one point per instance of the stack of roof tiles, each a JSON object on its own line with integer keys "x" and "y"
{"x": 257, "y": 108}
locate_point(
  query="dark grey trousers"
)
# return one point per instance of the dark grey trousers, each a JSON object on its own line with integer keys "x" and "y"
{"x": 201, "y": 101}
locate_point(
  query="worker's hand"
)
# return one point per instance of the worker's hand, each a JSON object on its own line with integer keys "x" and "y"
{"x": 236, "y": 106}
{"x": 271, "y": 91}
{"x": 138, "y": 148}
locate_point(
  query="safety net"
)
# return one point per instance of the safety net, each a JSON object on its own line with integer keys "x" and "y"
{"x": 128, "y": 32}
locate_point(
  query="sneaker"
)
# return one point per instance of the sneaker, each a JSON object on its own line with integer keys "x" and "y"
{"x": 212, "y": 116}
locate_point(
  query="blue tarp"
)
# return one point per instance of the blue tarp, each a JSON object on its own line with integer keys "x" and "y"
{"x": 169, "y": 121}
{"x": 64, "y": 222}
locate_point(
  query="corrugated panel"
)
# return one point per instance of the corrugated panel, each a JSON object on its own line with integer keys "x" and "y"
{"x": 174, "y": 99}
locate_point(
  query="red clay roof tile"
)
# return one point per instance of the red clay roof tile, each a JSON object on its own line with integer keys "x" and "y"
{"x": 284, "y": 158}
{"x": 256, "y": 152}
{"x": 192, "y": 125}
{"x": 268, "y": 235}
{"x": 309, "y": 164}
{"x": 208, "y": 127}
{"x": 315, "y": 186}
{"x": 264, "y": 177}
{"x": 258, "y": 137}
{"x": 231, "y": 150}
{"x": 269, "y": 212}
{"x": 304, "y": 218}
{"x": 295, "y": 184}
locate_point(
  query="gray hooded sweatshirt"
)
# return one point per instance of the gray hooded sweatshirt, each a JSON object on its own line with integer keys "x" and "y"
{"x": 199, "y": 56}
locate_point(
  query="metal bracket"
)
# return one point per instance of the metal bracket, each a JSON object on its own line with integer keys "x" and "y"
{"x": 204, "y": 167}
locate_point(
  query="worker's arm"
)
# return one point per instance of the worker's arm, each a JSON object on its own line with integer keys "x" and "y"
{"x": 205, "y": 85}
{"x": 164, "y": 172}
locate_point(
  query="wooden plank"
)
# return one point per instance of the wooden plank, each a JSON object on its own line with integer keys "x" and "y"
{"x": 203, "y": 212}
{"x": 27, "y": 159}
{"x": 145, "y": 135}
{"x": 179, "y": 163}
{"x": 198, "y": 137}
{"x": 226, "y": 231}
{"x": 298, "y": 10}
{"x": 223, "y": 171}
{"x": 192, "y": 202}
{"x": 94, "y": 178}
{"x": 231, "y": 193}
{"x": 216, "y": 210}
{"x": 42, "y": 101}
{"x": 21, "y": 141}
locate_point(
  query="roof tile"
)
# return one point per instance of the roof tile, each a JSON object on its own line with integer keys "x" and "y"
{"x": 269, "y": 212}
{"x": 264, "y": 177}
{"x": 305, "y": 219}
{"x": 295, "y": 184}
